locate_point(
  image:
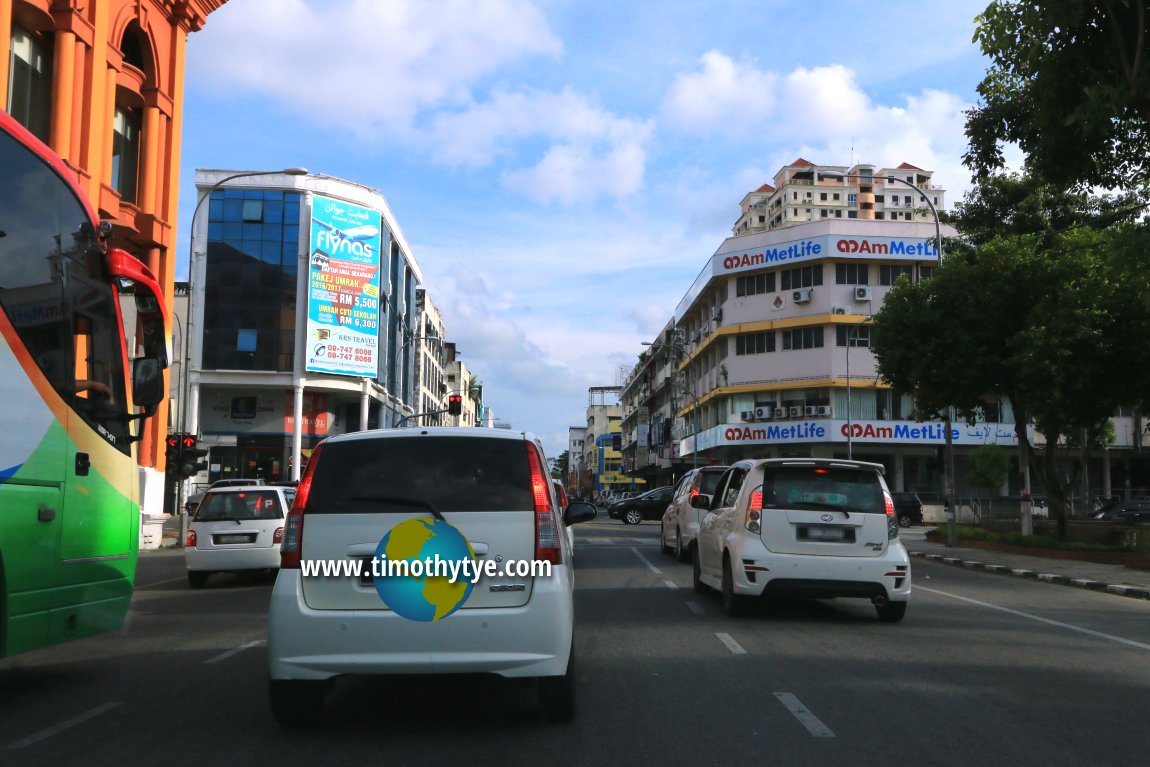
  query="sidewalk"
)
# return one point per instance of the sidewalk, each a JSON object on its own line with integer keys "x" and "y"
{"x": 1115, "y": 579}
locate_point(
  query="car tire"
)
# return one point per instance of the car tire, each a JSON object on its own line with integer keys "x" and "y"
{"x": 663, "y": 540}
{"x": 681, "y": 554}
{"x": 632, "y": 516}
{"x": 734, "y": 604}
{"x": 197, "y": 579}
{"x": 697, "y": 572}
{"x": 557, "y": 693}
{"x": 905, "y": 521}
{"x": 891, "y": 612}
{"x": 296, "y": 702}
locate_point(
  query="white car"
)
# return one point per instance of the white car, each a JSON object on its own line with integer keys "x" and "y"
{"x": 680, "y": 522}
{"x": 803, "y": 527}
{"x": 447, "y": 489}
{"x": 235, "y": 529}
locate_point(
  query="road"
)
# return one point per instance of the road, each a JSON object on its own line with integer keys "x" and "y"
{"x": 984, "y": 670}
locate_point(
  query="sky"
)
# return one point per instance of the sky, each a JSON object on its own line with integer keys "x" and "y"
{"x": 563, "y": 169}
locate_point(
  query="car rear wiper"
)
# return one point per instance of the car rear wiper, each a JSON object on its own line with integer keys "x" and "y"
{"x": 399, "y": 502}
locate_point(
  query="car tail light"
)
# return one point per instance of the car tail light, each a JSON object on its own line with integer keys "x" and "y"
{"x": 278, "y": 535}
{"x": 191, "y": 542}
{"x": 292, "y": 537}
{"x": 546, "y": 530}
{"x": 891, "y": 519}
{"x": 753, "y": 521}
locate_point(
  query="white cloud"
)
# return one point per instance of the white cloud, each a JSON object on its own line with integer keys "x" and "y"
{"x": 726, "y": 97}
{"x": 363, "y": 64}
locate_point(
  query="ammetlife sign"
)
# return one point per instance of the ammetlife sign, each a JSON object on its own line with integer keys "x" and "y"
{"x": 895, "y": 249}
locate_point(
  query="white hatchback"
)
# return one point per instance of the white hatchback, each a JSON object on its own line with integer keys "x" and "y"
{"x": 803, "y": 527}
{"x": 486, "y": 490}
{"x": 234, "y": 529}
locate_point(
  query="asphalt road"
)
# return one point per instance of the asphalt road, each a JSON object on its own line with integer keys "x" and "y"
{"x": 984, "y": 670}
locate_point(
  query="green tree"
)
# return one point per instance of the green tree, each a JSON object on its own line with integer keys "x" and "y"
{"x": 1044, "y": 320}
{"x": 989, "y": 468}
{"x": 561, "y": 465}
{"x": 1069, "y": 82}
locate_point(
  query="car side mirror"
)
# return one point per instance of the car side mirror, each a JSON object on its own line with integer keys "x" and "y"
{"x": 579, "y": 511}
{"x": 701, "y": 501}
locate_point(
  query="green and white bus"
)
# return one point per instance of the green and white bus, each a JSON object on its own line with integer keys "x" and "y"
{"x": 69, "y": 415}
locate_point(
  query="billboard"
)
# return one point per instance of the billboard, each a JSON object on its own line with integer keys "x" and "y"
{"x": 343, "y": 289}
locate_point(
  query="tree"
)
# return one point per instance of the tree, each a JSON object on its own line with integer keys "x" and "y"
{"x": 1044, "y": 320}
{"x": 989, "y": 467}
{"x": 1069, "y": 82}
{"x": 561, "y": 465}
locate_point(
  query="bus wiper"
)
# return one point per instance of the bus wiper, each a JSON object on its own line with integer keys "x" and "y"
{"x": 399, "y": 502}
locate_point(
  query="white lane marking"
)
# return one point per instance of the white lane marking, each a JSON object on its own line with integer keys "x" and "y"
{"x": 1040, "y": 619}
{"x": 694, "y": 608}
{"x": 59, "y": 728}
{"x": 646, "y": 561}
{"x": 805, "y": 717}
{"x": 161, "y": 583}
{"x": 732, "y": 645}
{"x": 671, "y": 585}
{"x": 235, "y": 650}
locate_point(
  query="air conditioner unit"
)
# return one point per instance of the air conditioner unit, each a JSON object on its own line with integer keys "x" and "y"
{"x": 824, "y": 410}
{"x": 839, "y": 310}
{"x": 716, "y": 314}
{"x": 801, "y": 296}
{"x": 780, "y": 412}
{"x": 810, "y": 410}
{"x": 763, "y": 413}
{"x": 796, "y": 411}
{"x": 747, "y": 415}
{"x": 862, "y": 293}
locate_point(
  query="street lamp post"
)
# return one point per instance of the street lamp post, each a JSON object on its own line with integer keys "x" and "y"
{"x": 952, "y": 511}
{"x": 185, "y": 372}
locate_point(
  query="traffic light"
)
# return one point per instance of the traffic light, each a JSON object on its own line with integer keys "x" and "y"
{"x": 173, "y": 453}
{"x": 199, "y": 460}
{"x": 454, "y": 404}
{"x": 190, "y": 455}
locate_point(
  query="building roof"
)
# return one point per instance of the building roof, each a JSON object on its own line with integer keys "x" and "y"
{"x": 802, "y": 163}
{"x": 908, "y": 166}
{"x": 765, "y": 188}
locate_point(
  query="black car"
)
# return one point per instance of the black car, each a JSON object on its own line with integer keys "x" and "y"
{"x": 908, "y": 509}
{"x": 1128, "y": 512}
{"x": 649, "y": 505}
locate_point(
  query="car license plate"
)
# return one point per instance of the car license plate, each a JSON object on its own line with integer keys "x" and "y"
{"x": 234, "y": 538}
{"x": 825, "y": 534}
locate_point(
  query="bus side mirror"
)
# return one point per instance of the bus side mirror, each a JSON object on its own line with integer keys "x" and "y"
{"x": 147, "y": 383}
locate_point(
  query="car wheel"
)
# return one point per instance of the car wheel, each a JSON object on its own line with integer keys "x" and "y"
{"x": 733, "y": 604}
{"x": 891, "y": 612}
{"x": 296, "y": 701}
{"x": 697, "y": 571}
{"x": 905, "y": 521}
{"x": 680, "y": 552}
{"x": 197, "y": 579}
{"x": 632, "y": 516}
{"x": 557, "y": 693}
{"x": 663, "y": 539}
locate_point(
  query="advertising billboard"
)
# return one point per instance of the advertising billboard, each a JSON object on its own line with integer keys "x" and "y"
{"x": 343, "y": 289}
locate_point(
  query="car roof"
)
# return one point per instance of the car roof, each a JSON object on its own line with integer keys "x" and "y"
{"x": 471, "y": 432}
{"x": 825, "y": 462}
{"x": 246, "y": 489}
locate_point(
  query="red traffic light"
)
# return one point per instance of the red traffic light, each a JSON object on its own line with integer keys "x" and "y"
{"x": 188, "y": 441}
{"x": 174, "y": 440}
{"x": 455, "y": 404}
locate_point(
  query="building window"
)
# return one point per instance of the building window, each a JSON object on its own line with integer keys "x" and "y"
{"x": 30, "y": 82}
{"x": 253, "y": 211}
{"x": 879, "y": 198}
{"x": 851, "y": 274}
{"x": 823, "y": 213}
{"x": 852, "y": 198}
{"x": 803, "y": 338}
{"x": 879, "y": 215}
{"x": 888, "y": 273}
{"x": 822, "y": 196}
{"x": 246, "y": 340}
{"x": 838, "y": 214}
{"x": 754, "y": 284}
{"x": 802, "y": 277}
{"x": 925, "y": 272}
{"x": 856, "y": 335}
{"x": 754, "y": 343}
{"x": 125, "y": 153}
{"x": 852, "y": 214}
{"x": 835, "y": 196}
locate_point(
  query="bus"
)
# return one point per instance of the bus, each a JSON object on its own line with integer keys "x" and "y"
{"x": 69, "y": 414}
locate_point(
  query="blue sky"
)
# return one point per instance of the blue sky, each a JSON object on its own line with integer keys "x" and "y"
{"x": 563, "y": 169}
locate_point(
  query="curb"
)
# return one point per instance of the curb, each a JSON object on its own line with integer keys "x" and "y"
{"x": 1062, "y": 580}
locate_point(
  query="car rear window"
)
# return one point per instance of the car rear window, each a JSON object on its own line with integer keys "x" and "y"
{"x": 709, "y": 481}
{"x": 251, "y": 504}
{"x": 822, "y": 487}
{"x": 399, "y": 474}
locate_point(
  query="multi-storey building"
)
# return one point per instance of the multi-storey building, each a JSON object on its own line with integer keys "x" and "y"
{"x": 461, "y": 381}
{"x": 303, "y": 321}
{"x": 651, "y": 399}
{"x": 99, "y": 82}
{"x": 431, "y": 382}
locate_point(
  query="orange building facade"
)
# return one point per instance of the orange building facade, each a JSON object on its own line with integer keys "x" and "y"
{"x": 101, "y": 82}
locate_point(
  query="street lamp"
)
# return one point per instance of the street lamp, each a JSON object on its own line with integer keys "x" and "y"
{"x": 952, "y": 511}
{"x": 185, "y": 373}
